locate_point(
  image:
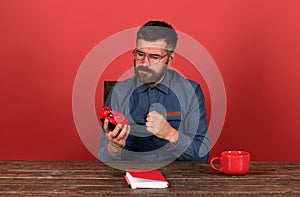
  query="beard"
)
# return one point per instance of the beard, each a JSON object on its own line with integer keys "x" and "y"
{"x": 148, "y": 75}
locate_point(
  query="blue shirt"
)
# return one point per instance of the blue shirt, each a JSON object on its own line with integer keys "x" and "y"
{"x": 181, "y": 101}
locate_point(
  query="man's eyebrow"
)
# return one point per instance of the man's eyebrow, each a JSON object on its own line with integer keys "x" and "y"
{"x": 147, "y": 53}
{"x": 139, "y": 51}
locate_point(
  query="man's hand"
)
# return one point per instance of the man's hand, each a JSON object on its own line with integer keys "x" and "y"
{"x": 159, "y": 126}
{"x": 116, "y": 138}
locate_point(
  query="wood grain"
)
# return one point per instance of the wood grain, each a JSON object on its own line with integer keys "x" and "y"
{"x": 93, "y": 178}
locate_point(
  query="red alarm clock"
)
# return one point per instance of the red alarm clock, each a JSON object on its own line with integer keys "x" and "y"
{"x": 113, "y": 116}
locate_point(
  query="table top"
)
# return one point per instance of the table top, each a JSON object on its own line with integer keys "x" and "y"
{"x": 93, "y": 178}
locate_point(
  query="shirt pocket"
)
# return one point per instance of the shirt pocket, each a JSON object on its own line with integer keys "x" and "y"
{"x": 174, "y": 118}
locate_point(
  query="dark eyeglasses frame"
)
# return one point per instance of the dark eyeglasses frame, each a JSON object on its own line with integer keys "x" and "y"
{"x": 153, "y": 58}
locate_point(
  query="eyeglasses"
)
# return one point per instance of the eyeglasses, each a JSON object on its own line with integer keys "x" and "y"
{"x": 152, "y": 58}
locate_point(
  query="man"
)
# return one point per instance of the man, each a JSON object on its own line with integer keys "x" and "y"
{"x": 166, "y": 112}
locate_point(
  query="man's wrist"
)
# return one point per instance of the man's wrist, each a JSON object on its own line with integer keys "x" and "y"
{"x": 174, "y": 144}
{"x": 174, "y": 138}
{"x": 113, "y": 149}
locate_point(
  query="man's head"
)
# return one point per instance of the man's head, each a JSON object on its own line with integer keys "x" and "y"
{"x": 155, "y": 45}
{"x": 159, "y": 30}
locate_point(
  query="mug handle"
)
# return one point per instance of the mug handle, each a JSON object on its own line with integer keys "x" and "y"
{"x": 214, "y": 167}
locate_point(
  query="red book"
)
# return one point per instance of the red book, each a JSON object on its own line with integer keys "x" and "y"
{"x": 145, "y": 179}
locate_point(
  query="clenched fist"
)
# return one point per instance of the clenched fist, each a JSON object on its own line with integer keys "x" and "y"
{"x": 157, "y": 124}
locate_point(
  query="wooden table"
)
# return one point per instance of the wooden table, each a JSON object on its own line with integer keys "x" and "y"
{"x": 93, "y": 178}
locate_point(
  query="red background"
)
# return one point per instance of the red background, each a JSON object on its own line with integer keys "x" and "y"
{"x": 256, "y": 45}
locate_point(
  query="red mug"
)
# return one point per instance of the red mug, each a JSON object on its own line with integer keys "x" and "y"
{"x": 232, "y": 162}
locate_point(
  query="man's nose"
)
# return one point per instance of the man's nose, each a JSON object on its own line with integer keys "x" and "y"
{"x": 146, "y": 61}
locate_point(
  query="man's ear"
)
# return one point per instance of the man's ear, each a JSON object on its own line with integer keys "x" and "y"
{"x": 171, "y": 57}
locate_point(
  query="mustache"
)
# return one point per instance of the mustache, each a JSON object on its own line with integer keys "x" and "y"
{"x": 144, "y": 68}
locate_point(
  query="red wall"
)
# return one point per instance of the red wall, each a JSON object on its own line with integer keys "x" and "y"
{"x": 256, "y": 45}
